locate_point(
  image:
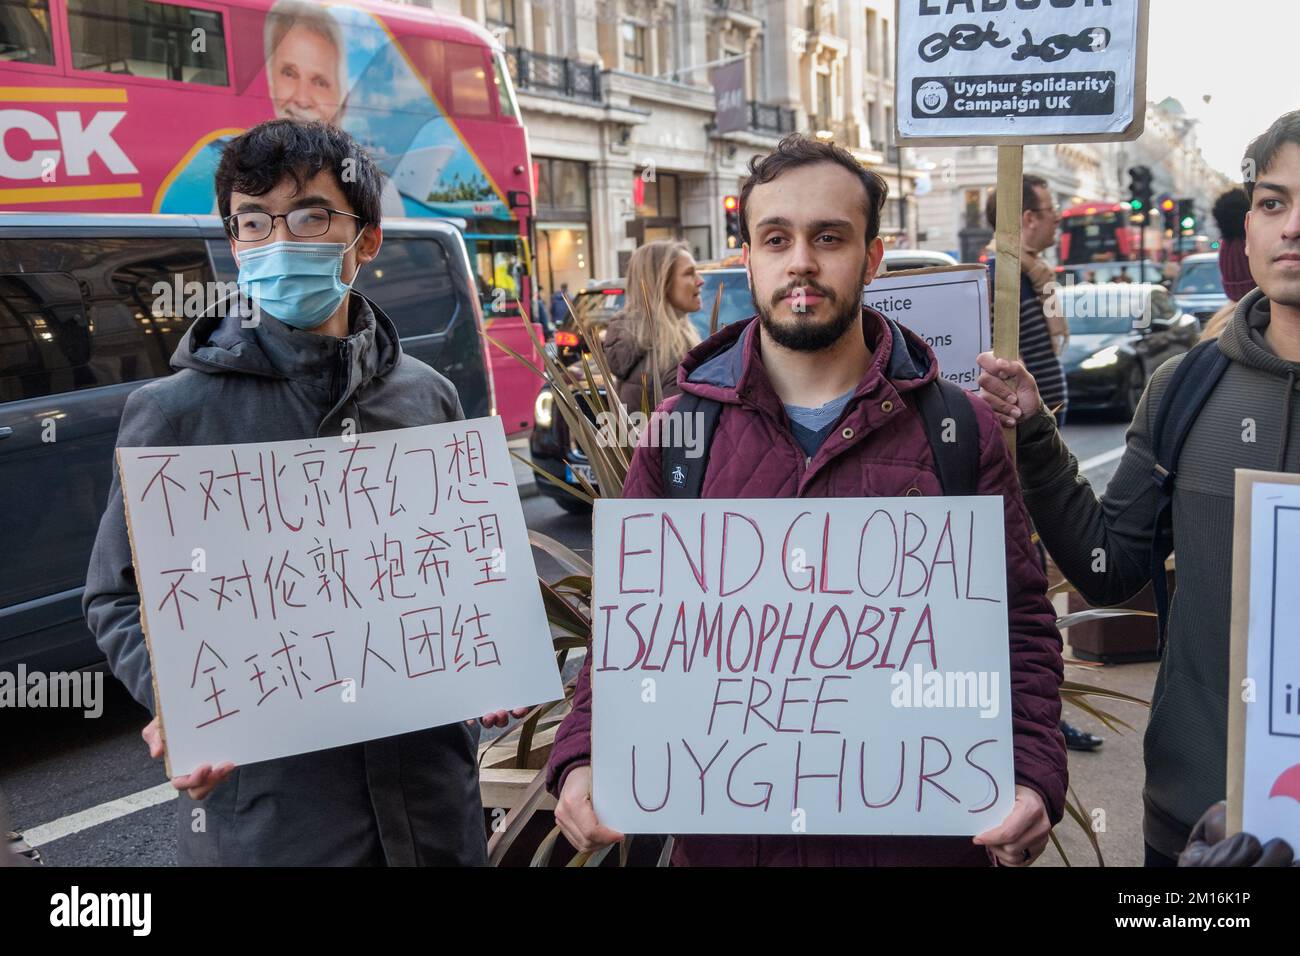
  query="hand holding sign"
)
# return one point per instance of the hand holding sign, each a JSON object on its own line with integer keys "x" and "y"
{"x": 499, "y": 718}
{"x": 1022, "y": 836}
{"x": 204, "y": 778}
{"x": 577, "y": 817}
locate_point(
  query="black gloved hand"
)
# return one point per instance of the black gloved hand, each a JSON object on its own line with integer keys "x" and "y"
{"x": 1207, "y": 845}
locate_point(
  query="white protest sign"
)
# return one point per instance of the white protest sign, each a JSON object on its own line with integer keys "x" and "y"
{"x": 299, "y": 595}
{"x": 1021, "y": 70}
{"x": 947, "y": 306}
{"x": 826, "y": 665}
{"x": 1264, "y": 701}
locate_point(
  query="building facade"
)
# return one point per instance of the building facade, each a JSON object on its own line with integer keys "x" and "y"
{"x": 619, "y": 103}
{"x": 952, "y": 210}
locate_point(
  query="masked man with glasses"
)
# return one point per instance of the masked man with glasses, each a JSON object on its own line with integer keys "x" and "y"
{"x": 315, "y": 359}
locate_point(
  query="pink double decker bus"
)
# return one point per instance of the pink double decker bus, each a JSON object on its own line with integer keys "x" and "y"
{"x": 124, "y": 106}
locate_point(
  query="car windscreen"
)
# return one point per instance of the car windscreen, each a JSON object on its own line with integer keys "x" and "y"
{"x": 1104, "y": 309}
{"x": 736, "y": 301}
{"x": 590, "y": 305}
{"x": 1199, "y": 278}
{"x": 1109, "y": 271}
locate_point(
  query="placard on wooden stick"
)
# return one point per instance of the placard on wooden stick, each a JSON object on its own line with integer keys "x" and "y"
{"x": 1263, "y": 773}
{"x": 980, "y": 72}
{"x": 975, "y": 72}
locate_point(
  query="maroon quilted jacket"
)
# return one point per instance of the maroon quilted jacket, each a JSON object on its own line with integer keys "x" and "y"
{"x": 878, "y": 449}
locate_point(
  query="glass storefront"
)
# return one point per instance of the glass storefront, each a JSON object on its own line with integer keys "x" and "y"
{"x": 563, "y": 224}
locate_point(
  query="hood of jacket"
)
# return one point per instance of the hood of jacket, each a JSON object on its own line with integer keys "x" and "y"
{"x": 728, "y": 366}
{"x": 1243, "y": 341}
{"x": 219, "y": 345}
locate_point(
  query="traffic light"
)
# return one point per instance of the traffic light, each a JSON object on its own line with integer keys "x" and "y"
{"x": 1169, "y": 209}
{"x": 1187, "y": 216}
{"x": 1140, "y": 190}
{"x": 731, "y": 207}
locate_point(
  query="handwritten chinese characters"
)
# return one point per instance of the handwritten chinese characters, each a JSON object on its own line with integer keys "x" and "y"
{"x": 306, "y": 594}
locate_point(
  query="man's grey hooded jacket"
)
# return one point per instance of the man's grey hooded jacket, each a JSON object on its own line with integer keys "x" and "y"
{"x": 1249, "y": 421}
{"x": 412, "y": 799}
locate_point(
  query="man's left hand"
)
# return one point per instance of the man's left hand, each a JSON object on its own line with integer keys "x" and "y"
{"x": 1026, "y": 828}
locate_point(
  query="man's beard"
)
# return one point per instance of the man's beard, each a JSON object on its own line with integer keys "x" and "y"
{"x": 811, "y": 336}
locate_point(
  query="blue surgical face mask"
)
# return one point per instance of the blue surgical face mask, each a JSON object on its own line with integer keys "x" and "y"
{"x": 297, "y": 282}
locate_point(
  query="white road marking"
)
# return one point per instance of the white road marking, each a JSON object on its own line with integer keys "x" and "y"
{"x": 1096, "y": 461}
{"x": 76, "y": 822}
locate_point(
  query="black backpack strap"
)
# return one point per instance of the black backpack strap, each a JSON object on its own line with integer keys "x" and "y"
{"x": 1189, "y": 387}
{"x": 957, "y": 451}
{"x": 683, "y": 477}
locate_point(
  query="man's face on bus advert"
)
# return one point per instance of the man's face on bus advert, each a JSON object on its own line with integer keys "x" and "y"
{"x": 304, "y": 76}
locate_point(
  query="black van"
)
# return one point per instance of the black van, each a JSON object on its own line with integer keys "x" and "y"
{"x": 78, "y": 335}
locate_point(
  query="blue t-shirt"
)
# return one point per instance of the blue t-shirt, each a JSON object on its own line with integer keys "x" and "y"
{"x": 811, "y": 425}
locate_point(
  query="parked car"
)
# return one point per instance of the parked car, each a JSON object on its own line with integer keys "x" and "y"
{"x": 1198, "y": 289}
{"x": 1119, "y": 335}
{"x": 1080, "y": 272}
{"x": 79, "y": 332}
{"x": 595, "y": 305}
{"x": 896, "y": 260}
{"x": 551, "y": 445}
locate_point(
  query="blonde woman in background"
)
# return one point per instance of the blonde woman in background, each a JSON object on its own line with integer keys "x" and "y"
{"x": 663, "y": 289}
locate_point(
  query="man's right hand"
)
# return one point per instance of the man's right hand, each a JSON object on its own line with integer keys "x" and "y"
{"x": 1008, "y": 389}
{"x": 198, "y": 784}
{"x": 577, "y": 817}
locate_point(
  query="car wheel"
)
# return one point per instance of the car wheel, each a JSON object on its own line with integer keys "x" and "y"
{"x": 1131, "y": 392}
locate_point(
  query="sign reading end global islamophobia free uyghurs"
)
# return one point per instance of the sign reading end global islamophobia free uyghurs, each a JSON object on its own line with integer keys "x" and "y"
{"x": 1021, "y": 70}
{"x": 792, "y": 666}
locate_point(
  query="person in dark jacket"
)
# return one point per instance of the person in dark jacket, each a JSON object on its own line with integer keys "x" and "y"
{"x": 819, "y": 401}
{"x": 559, "y": 310}
{"x": 1249, "y": 420}
{"x": 315, "y": 358}
{"x": 653, "y": 331}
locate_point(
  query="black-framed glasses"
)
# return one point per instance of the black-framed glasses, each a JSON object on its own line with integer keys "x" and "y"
{"x": 309, "y": 222}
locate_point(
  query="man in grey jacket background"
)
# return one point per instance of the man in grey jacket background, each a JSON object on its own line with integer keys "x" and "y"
{"x": 1104, "y": 546}
{"x": 317, "y": 360}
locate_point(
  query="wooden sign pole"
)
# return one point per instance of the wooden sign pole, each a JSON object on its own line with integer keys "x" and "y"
{"x": 1006, "y": 244}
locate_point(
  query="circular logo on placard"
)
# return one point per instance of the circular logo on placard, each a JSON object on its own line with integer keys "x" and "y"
{"x": 931, "y": 97}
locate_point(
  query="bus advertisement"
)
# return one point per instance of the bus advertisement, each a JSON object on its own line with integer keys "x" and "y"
{"x": 113, "y": 106}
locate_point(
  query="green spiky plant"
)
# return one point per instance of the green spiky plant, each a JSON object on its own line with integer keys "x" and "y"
{"x": 521, "y": 752}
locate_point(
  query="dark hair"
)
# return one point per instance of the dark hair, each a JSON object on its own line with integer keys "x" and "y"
{"x": 1029, "y": 182}
{"x": 257, "y": 161}
{"x": 798, "y": 150}
{"x": 1230, "y": 213}
{"x": 1263, "y": 149}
